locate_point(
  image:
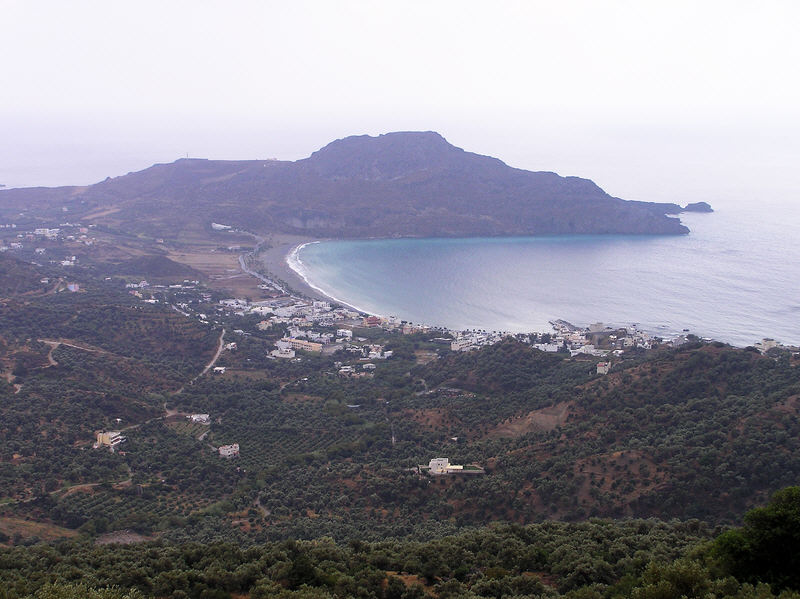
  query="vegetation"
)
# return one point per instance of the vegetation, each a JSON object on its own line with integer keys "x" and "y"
{"x": 631, "y": 558}
{"x": 594, "y": 486}
{"x": 767, "y": 547}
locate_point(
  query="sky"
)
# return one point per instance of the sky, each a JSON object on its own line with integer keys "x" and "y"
{"x": 664, "y": 101}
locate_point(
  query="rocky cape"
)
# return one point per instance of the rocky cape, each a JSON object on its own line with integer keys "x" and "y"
{"x": 406, "y": 184}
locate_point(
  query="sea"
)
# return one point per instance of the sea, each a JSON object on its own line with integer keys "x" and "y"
{"x": 735, "y": 278}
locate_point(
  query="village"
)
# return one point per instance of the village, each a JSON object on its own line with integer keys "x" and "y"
{"x": 306, "y": 327}
{"x": 43, "y": 238}
{"x": 308, "y": 322}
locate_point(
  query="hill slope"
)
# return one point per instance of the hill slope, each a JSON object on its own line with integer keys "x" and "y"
{"x": 398, "y": 184}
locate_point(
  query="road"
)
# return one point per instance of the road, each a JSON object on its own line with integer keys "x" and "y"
{"x": 54, "y": 343}
{"x": 213, "y": 361}
{"x": 168, "y": 412}
{"x": 243, "y": 264}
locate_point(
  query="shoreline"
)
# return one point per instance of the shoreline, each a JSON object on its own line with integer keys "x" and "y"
{"x": 274, "y": 260}
{"x": 294, "y": 263}
{"x": 277, "y": 261}
{"x": 278, "y": 258}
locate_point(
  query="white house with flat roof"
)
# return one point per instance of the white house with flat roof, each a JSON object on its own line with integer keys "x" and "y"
{"x": 442, "y": 466}
{"x": 110, "y": 439}
{"x": 229, "y": 451}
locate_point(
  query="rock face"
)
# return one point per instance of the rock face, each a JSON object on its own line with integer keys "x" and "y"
{"x": 698, "y": 207}
{"x": 408, "y": 184}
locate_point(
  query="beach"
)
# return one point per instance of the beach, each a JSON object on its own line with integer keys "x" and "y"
{"x": 273, "y": 258}
{"x": 731, "y": 280}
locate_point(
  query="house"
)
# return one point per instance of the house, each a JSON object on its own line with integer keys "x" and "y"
{"x": 603, "y": 367}
{"x": 442, "y": 466}
{"x": 229, "y": 451}
{"x": 439, "y": 466}
{"x": 766, "y": 344}
{"x": 109, "y": 439}
{"x": 303, "y": 345}
{"x": 547, "y": 347}
{"x": 200, "y": 418}
{"x": 284, "y": 350}
{"x": 219, "y": 369}
{"x": 463, "y": 344}
{"x": 371, "y": 321}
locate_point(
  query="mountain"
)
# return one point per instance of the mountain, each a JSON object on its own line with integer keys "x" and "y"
{"x": 406, "y": 184}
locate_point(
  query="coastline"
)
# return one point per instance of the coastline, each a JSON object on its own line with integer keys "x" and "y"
{"x": 274, "y": 260}
{"x": 672, "y": 316}
{"x": 296, "y": 265}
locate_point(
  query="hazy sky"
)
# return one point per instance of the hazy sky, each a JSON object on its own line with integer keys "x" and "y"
{"x": 652, "y": 100}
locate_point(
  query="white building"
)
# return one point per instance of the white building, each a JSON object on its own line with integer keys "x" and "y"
{"x": 110, "y": 439}
{"x": 463, "y": 344}
{"x": 200, "y": 418}
{"x": 547, "y": 347}
{"x": 443, "y": 466}
{"x": 766, "y": 344}
{"x": 439, "y": 465}
{"x": 229, "y": 451}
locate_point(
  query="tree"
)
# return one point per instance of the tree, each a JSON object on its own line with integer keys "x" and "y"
{"x": 767, "y": 547}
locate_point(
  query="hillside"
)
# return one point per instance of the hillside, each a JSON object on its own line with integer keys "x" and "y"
{"x": 17, "y": 276}
{"x": 155, "y": 266}
{"x": 409, "y": 184}
{"x": 685, "y": 439}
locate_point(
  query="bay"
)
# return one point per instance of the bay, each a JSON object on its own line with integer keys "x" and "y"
{"x": 734, "y": 278}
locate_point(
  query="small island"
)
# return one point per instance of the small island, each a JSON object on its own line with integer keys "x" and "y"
{"x": 698, "y": 207}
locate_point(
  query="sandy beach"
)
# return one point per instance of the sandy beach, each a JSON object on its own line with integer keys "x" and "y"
{"x": 274, "y": 260}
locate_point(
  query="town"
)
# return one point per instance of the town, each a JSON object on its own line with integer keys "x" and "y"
{"x": 316, "y": 326}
